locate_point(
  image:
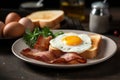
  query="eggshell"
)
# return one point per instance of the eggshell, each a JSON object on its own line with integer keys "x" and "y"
{"x": 13, "y": 30}
{"x": 12, "y": 16}
{"x": 1, "y": 28}
{"x": 27, "y": 23}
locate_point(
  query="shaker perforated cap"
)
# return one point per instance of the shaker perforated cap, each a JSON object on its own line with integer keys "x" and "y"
{"x": 99, "y": 4}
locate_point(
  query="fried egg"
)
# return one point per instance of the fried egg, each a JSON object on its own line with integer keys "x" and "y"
{"x": 72, "y": 42}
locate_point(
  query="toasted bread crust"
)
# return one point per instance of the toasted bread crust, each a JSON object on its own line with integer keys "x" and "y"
{"x": 51, "y": 24}
{"x": 49, "y": 18}
{"x": 93, "y": 51}
{"x": 55, "y": 51}
{"x": 89, "y": 54}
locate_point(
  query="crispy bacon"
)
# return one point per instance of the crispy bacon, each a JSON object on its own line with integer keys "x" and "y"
{"x": 69, "y": 58}
{"x": 42, "y": 43}
{"x": 45, "y": 56}
{"x": 58, "y": 61}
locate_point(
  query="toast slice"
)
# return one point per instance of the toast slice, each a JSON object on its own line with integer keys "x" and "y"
{"x": 88, "y": 54}
{"x": 93, "y": 51}
{"x": 49, "y": 18}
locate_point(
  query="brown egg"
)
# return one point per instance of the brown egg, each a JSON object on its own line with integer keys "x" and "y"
{"x": 1, "y": 28}
{"x": 12, "y": 16}
{"x": 13, "y": 30}
{"x": 28, "y": 24}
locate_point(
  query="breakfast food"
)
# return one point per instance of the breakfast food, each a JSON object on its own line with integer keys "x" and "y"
{"x": 27, "y": 23}
{"x": 87, "y": 47}
{"x": 1, "y": 28}
{"x": 66, "y": 48}
{"x": 12, "y": 16}
{"x": 15, "y": 26}
{"x": 13, "y": 30}
{"x": 49, "y": 18}
{"x": 93, "y": 51}
{"x": 13, "y": 21}
{"x": 72, "y": 42}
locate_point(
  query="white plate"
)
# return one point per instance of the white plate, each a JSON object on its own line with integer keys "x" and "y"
{"x": 107, "y": 49}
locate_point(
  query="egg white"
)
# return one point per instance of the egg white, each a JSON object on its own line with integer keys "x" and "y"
{"x": 59, "y": 44}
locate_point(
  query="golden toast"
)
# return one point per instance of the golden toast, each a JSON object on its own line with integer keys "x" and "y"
{"x": 49, "y": 18}
{"x": 88, "y": 54}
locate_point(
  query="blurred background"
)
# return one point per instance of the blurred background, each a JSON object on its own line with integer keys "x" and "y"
{"x": 79, "y": 12}
{"x": 73, "y": 11}
{"x": 15, "y": 4}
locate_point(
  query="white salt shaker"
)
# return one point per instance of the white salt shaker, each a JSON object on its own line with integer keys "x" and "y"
{"x": 99, "y": 18}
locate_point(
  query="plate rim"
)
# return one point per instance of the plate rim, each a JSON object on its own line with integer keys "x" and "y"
{"x": 60, "y": 65}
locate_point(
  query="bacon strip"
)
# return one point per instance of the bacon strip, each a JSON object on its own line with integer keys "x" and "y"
{"x": 42, "y": 43}
{"x": 45, "y": 56}
{"x": 69, "y": 58}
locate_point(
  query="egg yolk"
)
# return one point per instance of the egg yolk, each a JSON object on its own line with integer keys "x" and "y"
{"x": 72, "y": 40}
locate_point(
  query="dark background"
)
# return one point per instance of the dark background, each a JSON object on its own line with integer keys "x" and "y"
{"x": 15, "y": 4}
